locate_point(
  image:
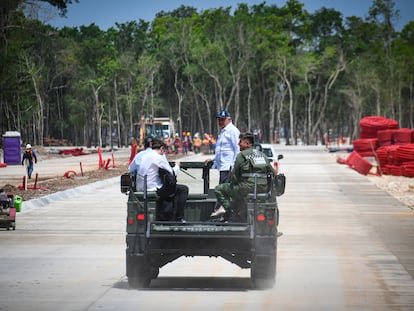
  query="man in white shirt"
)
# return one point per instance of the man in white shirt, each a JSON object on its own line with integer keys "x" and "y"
{"x": 150, "y": 164}
{"x": 227, "y": 146}
{"x": 134, "y": 165}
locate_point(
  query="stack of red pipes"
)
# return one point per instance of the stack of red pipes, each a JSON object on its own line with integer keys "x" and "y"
{"x": 393, "y": 147}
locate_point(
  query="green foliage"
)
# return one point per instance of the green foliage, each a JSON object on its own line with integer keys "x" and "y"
{"x": 278, "y": 69}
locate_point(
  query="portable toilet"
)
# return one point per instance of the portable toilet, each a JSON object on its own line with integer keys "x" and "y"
{"x": 11, "y": 148}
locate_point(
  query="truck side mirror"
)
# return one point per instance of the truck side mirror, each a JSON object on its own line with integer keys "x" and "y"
{"x": 125, "y": 182}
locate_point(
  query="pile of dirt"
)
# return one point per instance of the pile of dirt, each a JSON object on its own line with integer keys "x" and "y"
{"x": 400, "y": 187}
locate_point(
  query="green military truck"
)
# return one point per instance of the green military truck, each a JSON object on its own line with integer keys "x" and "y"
{"x": 249, "y": 241}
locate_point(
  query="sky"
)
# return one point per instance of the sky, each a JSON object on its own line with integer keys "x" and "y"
{"x": 105, "y": 13}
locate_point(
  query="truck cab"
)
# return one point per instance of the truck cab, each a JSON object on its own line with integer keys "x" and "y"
{"x": 249, "y": 241}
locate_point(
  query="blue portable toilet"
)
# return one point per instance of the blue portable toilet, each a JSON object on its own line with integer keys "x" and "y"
{"x": 11, "y": 148}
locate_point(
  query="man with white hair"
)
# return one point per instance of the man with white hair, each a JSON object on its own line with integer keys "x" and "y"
{"x": 227, "y": 146}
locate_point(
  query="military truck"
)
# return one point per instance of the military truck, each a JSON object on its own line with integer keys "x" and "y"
{"x": 248, "y": 240}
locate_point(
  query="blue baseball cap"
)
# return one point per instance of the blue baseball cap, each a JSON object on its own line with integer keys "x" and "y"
{"x": 223, "y": 114}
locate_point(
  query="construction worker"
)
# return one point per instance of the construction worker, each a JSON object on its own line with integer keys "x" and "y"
{"x": 30, "y": 157}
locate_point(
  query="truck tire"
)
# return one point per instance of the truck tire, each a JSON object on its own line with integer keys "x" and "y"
{"x": 263, "y": 271}
{"x": 139, "y": 271}
{"x": 137, "y": 282}
{"x": 154, "y": 272}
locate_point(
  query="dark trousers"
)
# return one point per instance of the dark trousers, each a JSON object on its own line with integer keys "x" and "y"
{"x": 225, "y": 177}
{"x": 180, "y": 199}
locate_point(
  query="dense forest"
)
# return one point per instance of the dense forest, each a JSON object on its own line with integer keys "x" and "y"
{"x": 282, "y": 70}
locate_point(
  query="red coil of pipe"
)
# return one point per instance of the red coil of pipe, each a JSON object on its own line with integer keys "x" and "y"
{"x": 392, "y": 170}
{"x": 385, "y": 137}
{"x": 407, "y": 169}
{"x": 365, "y": 147}
{"x": 405, "y": 153}
{"x": 396, "y": 170}
{"x": 392, "y": 155}
{"x": 382, "y": 155}
{"x": 372, "y": 124}
{"x": 385, "y": 170}
{"x": 366, "y": 144}
{"x": 402, "y": 136}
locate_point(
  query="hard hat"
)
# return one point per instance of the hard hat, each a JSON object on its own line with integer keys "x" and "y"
{"x": 28, "y": 146}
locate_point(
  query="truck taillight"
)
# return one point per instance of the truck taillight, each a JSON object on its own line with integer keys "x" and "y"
{"x": 130, "y": 221}
{"x": 261, "y": 217}
{"x": 267, "y": 217}
{"x": 141, "y": 216}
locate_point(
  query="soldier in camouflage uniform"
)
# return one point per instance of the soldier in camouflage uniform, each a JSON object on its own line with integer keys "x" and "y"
{"x": 248, "y": 160}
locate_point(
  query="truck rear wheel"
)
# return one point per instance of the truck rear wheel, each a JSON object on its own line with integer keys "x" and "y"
{"x": 263, "y": 271}
{"x": 154, "y": 272}
{"x": 137, "y": 282}
{"x": 139, "y": 271}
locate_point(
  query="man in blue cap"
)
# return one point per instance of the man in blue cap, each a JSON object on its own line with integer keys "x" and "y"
{"x": 227, "y": 146}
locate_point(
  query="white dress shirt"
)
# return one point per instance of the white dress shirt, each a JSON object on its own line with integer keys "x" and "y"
{"x": 227, "y": 147}
{"x": 151, "y": 162}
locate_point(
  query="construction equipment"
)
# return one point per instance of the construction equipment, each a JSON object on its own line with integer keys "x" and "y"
{"x": 156, "y": 127}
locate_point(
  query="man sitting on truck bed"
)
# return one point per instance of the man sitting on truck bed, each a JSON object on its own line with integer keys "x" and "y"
{"x": 150, "y": 165}
{"x": 248, "y": 160}
{"x": 136, "y": 161}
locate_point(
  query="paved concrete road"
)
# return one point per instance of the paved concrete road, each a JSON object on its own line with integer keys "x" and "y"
{"x": 346, "y": 245}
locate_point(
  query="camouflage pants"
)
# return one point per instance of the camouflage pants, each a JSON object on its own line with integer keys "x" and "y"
{"x": 226, "y": 194}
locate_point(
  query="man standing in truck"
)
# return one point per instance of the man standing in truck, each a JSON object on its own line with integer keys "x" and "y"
{"x": 226, "y": 146}
{"x": 249, "y": 160}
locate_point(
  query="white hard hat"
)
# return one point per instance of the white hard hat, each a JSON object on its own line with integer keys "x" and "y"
{"x": 28, "y": 146}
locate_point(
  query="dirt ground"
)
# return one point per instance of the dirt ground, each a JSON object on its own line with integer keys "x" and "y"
{"x": 60, "y": 183}
{"x": 46, "y": 186}
{"x": 401, "y": 188}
